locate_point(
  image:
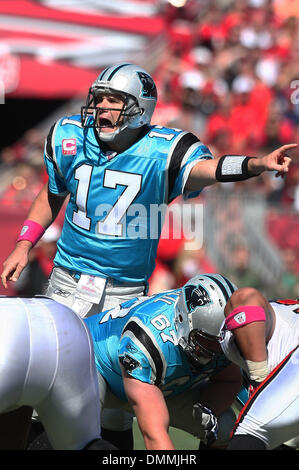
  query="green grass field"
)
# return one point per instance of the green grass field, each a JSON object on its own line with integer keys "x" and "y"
{"x": 181, "y": 439}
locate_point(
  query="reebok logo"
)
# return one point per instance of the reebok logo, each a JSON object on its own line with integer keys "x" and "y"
{"x": 62, "y": 293}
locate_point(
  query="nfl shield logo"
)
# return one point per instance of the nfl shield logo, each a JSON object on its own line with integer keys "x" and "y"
{"x": 240, "y": 317}
{"x": 69, "y": 147}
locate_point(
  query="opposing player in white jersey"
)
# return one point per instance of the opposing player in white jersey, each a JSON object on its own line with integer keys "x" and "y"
{"x": 47, "y": 364}
{"x": 112, "y": 162}
{"x": 262, "y": 338}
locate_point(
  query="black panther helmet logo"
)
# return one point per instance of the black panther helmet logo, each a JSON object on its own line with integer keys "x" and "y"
{"x": 149, "y": 89}
{"x": 195, "y": 296}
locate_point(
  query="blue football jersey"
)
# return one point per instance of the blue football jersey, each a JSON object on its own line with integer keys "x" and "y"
{"x": 141, "y": 335}
{"x": 112, "y": 223}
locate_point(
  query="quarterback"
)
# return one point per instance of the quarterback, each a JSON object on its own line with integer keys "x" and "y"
{"x": 111, "y": 154}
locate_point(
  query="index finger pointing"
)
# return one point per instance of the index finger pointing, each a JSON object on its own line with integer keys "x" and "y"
{"x": 288, "y": 147}
{"x": 3, "y": 279}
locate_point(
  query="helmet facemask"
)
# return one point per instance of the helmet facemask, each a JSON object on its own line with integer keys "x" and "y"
{"x": 200, "y": 347}
{"x": 204, "y": 346}
{"x": 91, "y": 112}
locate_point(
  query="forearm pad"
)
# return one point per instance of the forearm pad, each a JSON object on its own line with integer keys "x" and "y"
{"x": 232, "y": 168}
{"x": 258, "y": 371}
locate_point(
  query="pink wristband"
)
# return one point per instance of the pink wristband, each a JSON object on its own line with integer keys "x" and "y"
{"x": 31, "y": 231}
{"x": 243, "y": 315}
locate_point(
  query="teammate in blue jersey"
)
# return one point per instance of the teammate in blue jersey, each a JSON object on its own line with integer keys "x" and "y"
{"x": 113, "y": 164}
{"x": 142, "y": 335}
{"x": 162, "y": 355}
{"x": 158, "y": 356}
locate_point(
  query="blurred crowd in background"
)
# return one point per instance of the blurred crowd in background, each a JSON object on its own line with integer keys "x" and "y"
{"x": 230, "y": 74}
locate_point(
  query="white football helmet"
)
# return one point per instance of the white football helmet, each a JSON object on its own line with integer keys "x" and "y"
{"x": 199, "y": 314}
{"x": 138, "y": 90}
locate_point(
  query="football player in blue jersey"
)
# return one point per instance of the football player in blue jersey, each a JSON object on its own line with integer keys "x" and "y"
{"x": 165, "y": 359}
{"x": 157, "y": 356}
{"x": 112, "y": 162}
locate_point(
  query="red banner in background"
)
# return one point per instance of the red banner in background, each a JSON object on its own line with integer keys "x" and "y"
{"x": 55, "y": 80}
{"x": 56, "y": 52}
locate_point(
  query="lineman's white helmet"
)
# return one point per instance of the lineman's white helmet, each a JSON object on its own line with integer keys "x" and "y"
{"x": 199, "y": 314}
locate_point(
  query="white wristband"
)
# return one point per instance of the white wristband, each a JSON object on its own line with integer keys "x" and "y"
{"x": 258, "y": 371}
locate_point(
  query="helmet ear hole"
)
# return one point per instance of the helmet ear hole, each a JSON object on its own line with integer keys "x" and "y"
{"x": 141, "y": 111}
